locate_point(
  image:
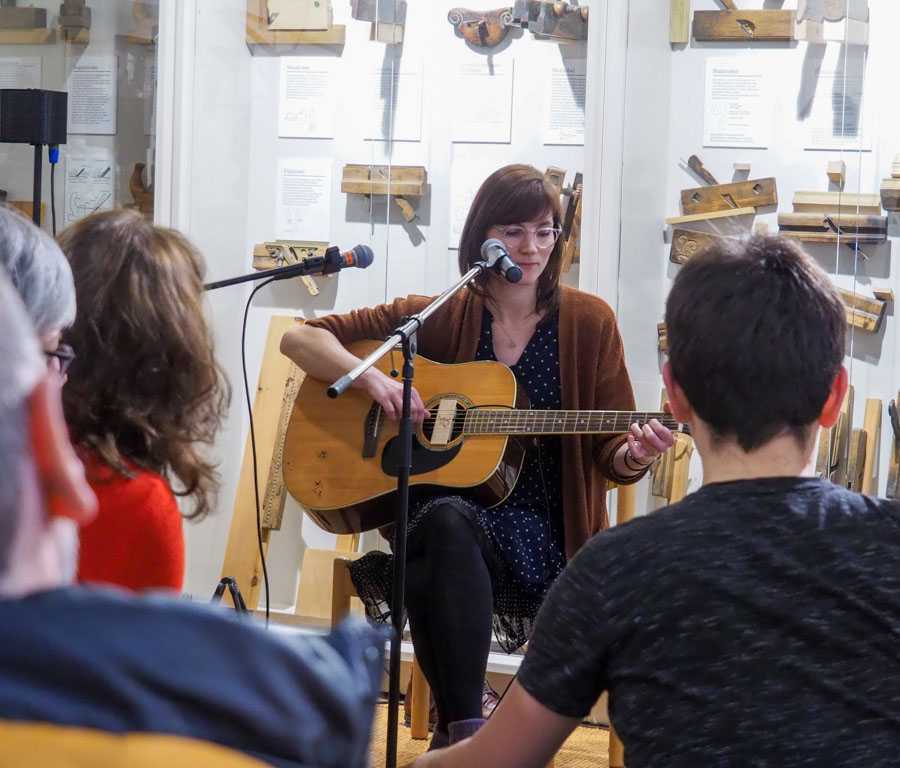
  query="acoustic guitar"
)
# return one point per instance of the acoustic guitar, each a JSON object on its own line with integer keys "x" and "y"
{"x": 342, "y": 457}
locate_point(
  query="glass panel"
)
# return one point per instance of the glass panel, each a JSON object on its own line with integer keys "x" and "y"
{"x": 102, "y": 54}
{"x": 795, "y": 102}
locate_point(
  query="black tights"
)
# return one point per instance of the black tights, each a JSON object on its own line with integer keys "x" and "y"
{"x": 449, "y": 599}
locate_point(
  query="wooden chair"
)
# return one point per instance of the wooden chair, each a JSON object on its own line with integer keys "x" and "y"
{"x": 56, "y": 745}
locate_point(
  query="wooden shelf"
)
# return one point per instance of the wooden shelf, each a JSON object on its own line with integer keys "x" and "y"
{"x": 39, "y": 36}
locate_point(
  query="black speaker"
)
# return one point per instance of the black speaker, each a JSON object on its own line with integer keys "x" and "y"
{"x": 33, "y": 116}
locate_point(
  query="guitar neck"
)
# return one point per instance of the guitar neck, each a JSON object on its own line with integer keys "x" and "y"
{"x": 501, "y": 421}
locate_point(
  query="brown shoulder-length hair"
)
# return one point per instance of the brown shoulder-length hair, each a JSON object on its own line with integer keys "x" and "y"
{"x": 145, "y": 388}
{"x": 512, "y": 195}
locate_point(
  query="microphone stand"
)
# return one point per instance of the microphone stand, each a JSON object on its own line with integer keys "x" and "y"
{"x": 314, "y": 265}
{"x": 405, "y": 335}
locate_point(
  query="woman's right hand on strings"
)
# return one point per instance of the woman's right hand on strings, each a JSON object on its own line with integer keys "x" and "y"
{"x": 388, "y": 393}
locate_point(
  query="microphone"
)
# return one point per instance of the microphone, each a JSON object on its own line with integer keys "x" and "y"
{"x": 495, "y": 254}
{"x": 359, "y": 256}
{"x": 333, "y": 261}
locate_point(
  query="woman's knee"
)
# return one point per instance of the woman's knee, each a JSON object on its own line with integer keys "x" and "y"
{"x": 447, "y": 526}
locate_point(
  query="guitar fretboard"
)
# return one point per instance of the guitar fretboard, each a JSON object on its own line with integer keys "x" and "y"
{"x": 499, "y": 421}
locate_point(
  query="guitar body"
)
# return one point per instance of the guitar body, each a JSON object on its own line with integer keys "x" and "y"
{"x": 342, "y": 456}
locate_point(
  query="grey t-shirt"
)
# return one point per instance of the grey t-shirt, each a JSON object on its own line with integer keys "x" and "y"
{"x": 754, "y": 623}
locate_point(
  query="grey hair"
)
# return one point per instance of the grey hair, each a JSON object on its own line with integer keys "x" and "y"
{"x": 39, "y": 271}
{"x": 21, "y": 369}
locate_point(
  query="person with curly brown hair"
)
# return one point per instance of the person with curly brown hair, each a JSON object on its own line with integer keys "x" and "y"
{"x": 144, "y": 395}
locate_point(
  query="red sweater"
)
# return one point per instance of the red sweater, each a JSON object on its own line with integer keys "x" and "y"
{"x": 136, "y": 540}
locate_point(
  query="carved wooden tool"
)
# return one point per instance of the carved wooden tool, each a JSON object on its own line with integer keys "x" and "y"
{"x": 893, "y": 483}
{"x": 482, "y": 28}
{"x": 679, "y": 21}
{"x": 74, "y": 18}
{"x": 314, "y": 15}
{"x": 728, "y": 5}
{"x": 834, "y": 445}
{"x": 832, "y": 10}
{"x": 832, "y": 202}
{"x": 141, "y": 194}
{"x": 710, "y": 216}
{"x": 862, "y": 312}
{"x": 755, "y": 193}
{"x": 686, "y": 244}
{"x": 12, "y": 17}
{"x": 283, "y": 253}
{"x": 696, "y": 165}
{"x": 743, "y": 26}
{"x": 399, "y": 181}
{"x": 662, "y": 337}
{"x": 890, "y": 194}
{"x": 387, "y": 18}
{"x": 560, "y": 21}
{"x": 832, "y": 228}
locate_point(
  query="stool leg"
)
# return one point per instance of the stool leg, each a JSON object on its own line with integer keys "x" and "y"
{"x": 421, "y": 703}
{"x": 616, "y": 750}
{"x": 341, "y": 591}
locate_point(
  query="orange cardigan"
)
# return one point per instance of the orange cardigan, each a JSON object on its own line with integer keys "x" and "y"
{"x": 592, "y": 374}
{"x": 136, "y": 540}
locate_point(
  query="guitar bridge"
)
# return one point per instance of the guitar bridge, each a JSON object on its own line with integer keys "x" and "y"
{"x": 371, "y": 427}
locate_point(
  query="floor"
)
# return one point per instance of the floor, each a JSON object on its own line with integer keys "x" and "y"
{"x": 587, "y": 747}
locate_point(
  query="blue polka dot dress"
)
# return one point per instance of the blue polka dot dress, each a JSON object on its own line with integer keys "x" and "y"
{"x": 524, "y": 534}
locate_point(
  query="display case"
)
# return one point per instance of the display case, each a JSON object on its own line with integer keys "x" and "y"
{"x": 102, "y": 56}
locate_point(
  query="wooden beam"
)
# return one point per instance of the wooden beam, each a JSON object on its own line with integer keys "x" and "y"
{"x": 832, "y": 202}
{"x": 753, "y": 193}
{"x": 242, "y": 551}
{"x": 710, "y": 216}
{"x": 743, "y": 26}
{"x": 686, "y": 244}
{"x": 872, "y": 428}
{"x": 857, "y": 460}
{"x": 679, "y": 21}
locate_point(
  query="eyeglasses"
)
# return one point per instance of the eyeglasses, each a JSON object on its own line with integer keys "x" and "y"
{"x": 63, "y": 355}
{"x": 514, "y": 235}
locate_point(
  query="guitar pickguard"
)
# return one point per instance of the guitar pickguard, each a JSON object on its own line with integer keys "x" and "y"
{"x": 423, "y": 459}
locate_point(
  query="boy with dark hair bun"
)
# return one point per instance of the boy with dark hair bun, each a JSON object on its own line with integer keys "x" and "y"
{"x": 756, "y": 622}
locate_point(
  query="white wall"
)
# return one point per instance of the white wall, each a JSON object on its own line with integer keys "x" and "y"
{"x": 235, "y": 161}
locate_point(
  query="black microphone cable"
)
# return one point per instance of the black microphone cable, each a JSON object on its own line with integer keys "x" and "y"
{"x": 262, "y": 554}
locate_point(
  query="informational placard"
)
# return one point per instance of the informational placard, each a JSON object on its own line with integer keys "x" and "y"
{"x": 304, "y": 199}
{"x": 396, "y": 109}
{"x": 20, "y": 72}
{"x": 838, "y": 117}
{"x": 92, "y": 95}
{"x": 483, "y": 108}
{"x": 90, "y": 183}
{"x": 564, "y": 109}
{"x": 307, "y": 97}
{"x": 739, "y": 103}
{"x": 469, "y": 167}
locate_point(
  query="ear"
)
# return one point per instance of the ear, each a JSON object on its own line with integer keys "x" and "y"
{"x": 678, "y": 403}
{"x": 65, "y": 490}
{"x": 831, "y": 411}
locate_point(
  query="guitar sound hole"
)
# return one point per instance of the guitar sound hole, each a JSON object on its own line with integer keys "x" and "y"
{"x": 443, "y": 427}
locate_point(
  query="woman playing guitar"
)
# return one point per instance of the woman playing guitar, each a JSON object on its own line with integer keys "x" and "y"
{"x": 472, "y": 569}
